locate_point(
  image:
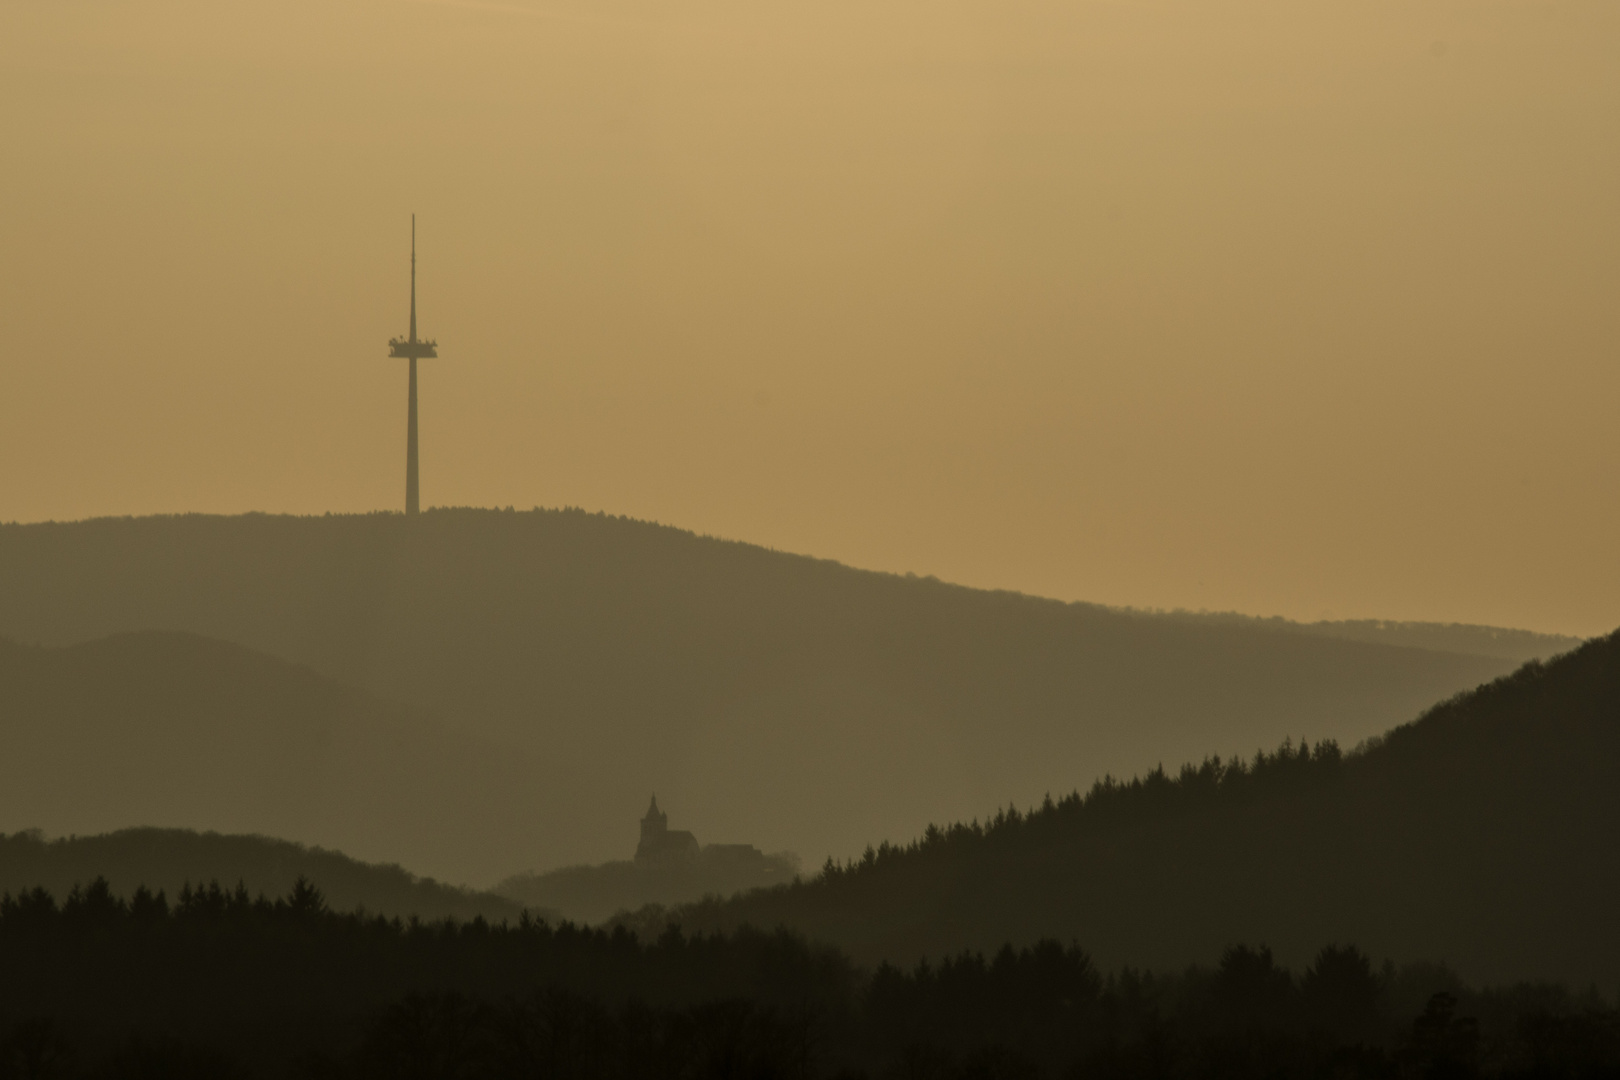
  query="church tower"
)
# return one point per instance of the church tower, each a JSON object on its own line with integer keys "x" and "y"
{"x": 658, "y": 841}
{"x": 653, "y": 828}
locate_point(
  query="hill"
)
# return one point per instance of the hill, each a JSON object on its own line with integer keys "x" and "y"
{"x": 1483, "y": 834}
{"x": 170, "y": 859}
{"x": 591, "y": 894}
{"x": 175, "y": 730}
{"x": 669, "y": 867}
{"x": 1518, "y": 646}
{"x": 780, "y": 700}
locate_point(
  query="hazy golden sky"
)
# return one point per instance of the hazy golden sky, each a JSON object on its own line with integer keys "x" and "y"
{"x": 1306, "y": 307}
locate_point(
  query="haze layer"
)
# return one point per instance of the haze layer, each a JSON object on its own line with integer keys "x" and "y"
{"x": 1283, "y": 308}
{"x": 766, "y": 698}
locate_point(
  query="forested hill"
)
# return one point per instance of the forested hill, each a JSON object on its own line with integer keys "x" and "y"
{"x": 770, "y": 699}
{"x": 169, "y": 860}
{"x": 1483, "y": 834}
{"x": 176, "y": 730}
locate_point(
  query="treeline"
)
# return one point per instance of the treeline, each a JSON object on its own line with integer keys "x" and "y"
{"x": 221, "y": 984}
{"x": 168, "y": 858}
{"x": 1301, "y": 770}
{"x": 1479, "y": 833}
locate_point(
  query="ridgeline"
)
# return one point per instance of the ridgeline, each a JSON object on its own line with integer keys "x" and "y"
{"x": 779, "y": 700}
{"x": 170, "y": 862}
{"x": 184, "y": 732}
{"x": 1482, "y": 834}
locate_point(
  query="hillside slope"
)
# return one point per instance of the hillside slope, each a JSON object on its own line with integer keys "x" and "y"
{"x": 777, "y": 700}
{"x": 176, "y": 730}
{"x": 1483, "y": 834}
{"x": 170, "y": 859}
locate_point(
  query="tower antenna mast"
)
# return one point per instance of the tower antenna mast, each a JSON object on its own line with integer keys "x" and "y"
{"x": 412, "y": 349}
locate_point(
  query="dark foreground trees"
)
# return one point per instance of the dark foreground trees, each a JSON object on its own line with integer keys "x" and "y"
{"x": 220, "y": 984}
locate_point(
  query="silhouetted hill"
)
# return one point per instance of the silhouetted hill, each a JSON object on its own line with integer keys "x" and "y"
{"x": 791, "y": 702}
{"x": 170, "y": 729}
{"x": 170, "y": 859}
{"x": 670, "y": 867}
{"x": 1483, "y": 834}
{"x": 1518, "y": 646}
{"x": 591, "y": 894}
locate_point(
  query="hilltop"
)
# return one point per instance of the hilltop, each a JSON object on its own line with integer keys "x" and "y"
{"x": 600, "y": 659}
{"x": 670, "y": 866}
{"x": 168, "y": 860}
{"x": 1482, "y": 834}
{"x": 592, "y": 894}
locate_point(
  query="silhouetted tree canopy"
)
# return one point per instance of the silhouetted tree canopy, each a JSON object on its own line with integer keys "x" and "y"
{"x": 1481, "y": 833}
{"x": 218, "y": 983}
{"x": 168, "y": 858}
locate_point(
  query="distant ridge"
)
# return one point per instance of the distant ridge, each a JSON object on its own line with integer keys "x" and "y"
{"x": 1483, "y": 834}
{"x": 1518, "y": 646}
{"x": 169, "y": 859}
{"x": 800, "y": 704}
{"x": 176, "y": 730}
{"x": 670, "y": 866}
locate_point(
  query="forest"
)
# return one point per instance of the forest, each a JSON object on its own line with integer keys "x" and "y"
{"x": 1437, "y": 902}
{"x": 1303, "y": 911}
{"x": 1481, "y": 833}
{"x": 221, "y": 984}
{"x": 167, "y": 859}
{"x": 508, "y": 687}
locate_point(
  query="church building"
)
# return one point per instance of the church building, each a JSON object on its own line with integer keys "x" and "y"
{"x": 659, "y": 841}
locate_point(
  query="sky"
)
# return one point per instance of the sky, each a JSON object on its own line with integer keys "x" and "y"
{"x": 1305, "y": 309}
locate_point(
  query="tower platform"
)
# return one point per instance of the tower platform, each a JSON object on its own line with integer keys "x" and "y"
{"x": 414, "y": 350}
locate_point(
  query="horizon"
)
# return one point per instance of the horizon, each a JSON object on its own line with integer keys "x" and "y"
{"x": 1226, "y": 307}
{"x": 1121, "y": 608}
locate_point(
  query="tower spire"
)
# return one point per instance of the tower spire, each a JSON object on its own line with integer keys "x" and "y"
{"x": 412, "y": 349}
